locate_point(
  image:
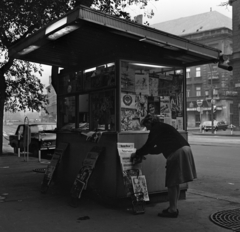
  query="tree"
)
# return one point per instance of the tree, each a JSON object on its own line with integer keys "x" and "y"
{"x": 20, "y": 88}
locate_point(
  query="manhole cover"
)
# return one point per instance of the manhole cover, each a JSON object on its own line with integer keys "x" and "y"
{"x": 229, "y": 219}
{"x": 40, "y": 170}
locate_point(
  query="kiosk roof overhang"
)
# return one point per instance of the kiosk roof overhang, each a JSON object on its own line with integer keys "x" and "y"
{"x": 85, "y": 35}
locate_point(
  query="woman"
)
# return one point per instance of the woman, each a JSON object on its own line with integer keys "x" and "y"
{"x": 180, "y": 166}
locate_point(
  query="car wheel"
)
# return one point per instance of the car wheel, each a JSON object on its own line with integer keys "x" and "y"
{"x": 15, "y": 149}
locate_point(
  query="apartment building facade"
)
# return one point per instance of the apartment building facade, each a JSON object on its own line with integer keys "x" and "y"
{"x": 207, "y": 84}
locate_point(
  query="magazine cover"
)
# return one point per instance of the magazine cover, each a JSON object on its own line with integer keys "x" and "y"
{"x": 49, "y": 173}
{"x": 91, "y": 159}
{"x": 77, "y": 188}
{"x": 128, "y": 181}
{"x": 140, "y": 186}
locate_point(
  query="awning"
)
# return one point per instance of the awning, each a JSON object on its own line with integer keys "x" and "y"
{"x": 85, "y": 35}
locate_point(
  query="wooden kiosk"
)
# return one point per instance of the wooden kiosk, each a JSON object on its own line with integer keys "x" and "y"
{"x": 109, "y": 73}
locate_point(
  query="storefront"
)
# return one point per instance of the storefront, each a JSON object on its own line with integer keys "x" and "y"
{"x": 198, "y": 114}
{"x": 108, "y": 74}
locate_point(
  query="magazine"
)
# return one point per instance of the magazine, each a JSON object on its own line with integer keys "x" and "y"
{"x": 140, "y": 187}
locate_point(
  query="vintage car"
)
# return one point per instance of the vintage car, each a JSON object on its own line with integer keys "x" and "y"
{"x": 207, "y": 125}
{"x": 43, "y": 137}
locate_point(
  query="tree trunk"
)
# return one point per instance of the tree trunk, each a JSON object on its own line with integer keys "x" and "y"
{"x": 2, "y": 100}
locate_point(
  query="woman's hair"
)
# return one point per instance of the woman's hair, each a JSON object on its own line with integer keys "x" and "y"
{"x": 150, "y": 119}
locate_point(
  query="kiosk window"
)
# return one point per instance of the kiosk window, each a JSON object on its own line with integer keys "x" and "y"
{"x": 83, "y": 112}
{"x": 103, "y": 112}
{"x": 150, "y": 89}
{"x": 99, "y": 77}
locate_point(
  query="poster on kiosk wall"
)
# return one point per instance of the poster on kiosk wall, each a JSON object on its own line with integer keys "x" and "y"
{"x": 128, "y": 100}
{"x": 142, "y": 84}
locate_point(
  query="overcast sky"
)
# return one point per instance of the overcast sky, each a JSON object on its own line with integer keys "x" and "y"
{"x": 166, "y": 10}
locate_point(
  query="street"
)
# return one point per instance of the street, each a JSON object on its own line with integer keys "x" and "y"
{"x": 217, "y": 161}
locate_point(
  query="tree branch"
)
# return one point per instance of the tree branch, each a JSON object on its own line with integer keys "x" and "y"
{"x": 7, "y": 66}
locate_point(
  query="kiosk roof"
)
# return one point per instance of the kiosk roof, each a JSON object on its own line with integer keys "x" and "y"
{"x": 85, "y": 35}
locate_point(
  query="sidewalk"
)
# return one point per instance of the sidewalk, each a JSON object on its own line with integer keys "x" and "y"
{"x": 25, "y": 209}
{"x": 196, "y": 131}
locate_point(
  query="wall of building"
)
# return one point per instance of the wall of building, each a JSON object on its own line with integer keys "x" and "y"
{"x": 236, "y": 58}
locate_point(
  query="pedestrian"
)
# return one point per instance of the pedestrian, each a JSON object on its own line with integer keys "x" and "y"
{"x": 180, "y": 166}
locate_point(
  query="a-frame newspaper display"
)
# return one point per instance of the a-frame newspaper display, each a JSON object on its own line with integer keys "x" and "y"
{"x": 51, "y": 168}
{"x": 134, "y": 181}
{"x": 81, "y": 180}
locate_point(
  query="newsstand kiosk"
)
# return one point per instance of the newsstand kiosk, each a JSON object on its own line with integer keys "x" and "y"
{"x": 108, "y": 74}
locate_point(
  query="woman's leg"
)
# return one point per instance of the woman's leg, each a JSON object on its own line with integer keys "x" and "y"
{"x": 173, "y": 195}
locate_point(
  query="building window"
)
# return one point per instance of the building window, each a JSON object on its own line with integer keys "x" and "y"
{"x": 188, "y": 92}
{"x": 198, "y": 91}
{"x": 215, "y": 92}
{"x": 206, "y": 93}
{"x": 198, "y": 72}
{"x": 188, "y": 73}
{"x": 214, "y": 68}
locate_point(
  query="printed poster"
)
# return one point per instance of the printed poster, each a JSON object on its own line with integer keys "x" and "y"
{"x": 142, "y": 84}
{"x": 128, "y": 79}
{"x": 174, "y": 124}
{"x": 176, "y": 106}
{"x": 165, "y": 106}
{"x": 153, "y": 105}
{"x": 129, "y": 120}
{"x": 128, "y": 100}
{"x": 153, "y": 86}
{"x": 141, "y": 105}
{"x": 180, "y": 123}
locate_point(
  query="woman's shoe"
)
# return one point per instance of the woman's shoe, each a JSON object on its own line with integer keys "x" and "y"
{"x": 165, "y": 210}
{"x": 165, "y": 213}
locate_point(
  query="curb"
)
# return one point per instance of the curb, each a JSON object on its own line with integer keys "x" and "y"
{"x": 214, "y": 196}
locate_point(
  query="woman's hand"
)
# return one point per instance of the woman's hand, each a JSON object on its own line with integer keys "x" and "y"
{"x": 135, "y": 159}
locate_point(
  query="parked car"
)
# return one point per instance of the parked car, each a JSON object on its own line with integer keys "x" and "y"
{"x": 207, "y": 125}
{"x": 43, "y": 137}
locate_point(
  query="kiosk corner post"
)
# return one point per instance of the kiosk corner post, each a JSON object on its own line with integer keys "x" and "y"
{"x": 39, "y": 150}
{"x": 26, "y": 139}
